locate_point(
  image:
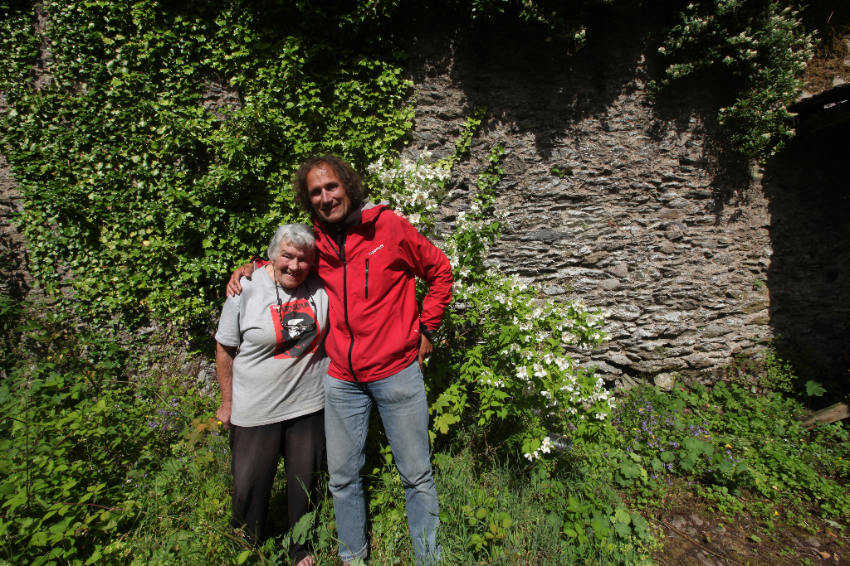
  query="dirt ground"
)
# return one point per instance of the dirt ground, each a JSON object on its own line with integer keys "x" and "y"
{"x": 691, "y": 536}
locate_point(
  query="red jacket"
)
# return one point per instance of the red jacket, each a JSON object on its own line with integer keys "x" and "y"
{"x": 374, "y": 318}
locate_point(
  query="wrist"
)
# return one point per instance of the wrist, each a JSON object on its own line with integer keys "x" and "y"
{"x": 424, "y": 331}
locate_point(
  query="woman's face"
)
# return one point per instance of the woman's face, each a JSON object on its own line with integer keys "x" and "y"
{"x": 292, "y": 265}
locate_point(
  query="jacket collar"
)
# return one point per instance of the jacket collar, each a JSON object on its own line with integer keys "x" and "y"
{"x": 366, "y": 214}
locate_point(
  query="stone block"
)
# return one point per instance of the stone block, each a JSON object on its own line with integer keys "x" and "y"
{"x": 620, "y": 270}
{"x": 669, "y": 214}
{"x": 756, "y": 305}
{"x": 714, "y": 330}
{"x": 625, "y": 312}
{"x": 545, "y": 236}
{"x": 664, "y": 381}
{"x": 698, "y": 361}
{"x": 603, "y": 368}
{"x": 553, "y": 290}
{"x": 619, "y": 360}
{"x": 760, "y": 318}
{"x": 594, "y": 258}
{"x": 645, "y": 333}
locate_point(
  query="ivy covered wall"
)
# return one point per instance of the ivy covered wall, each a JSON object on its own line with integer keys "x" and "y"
{"x": 153, "y": 142}
{"x": 131, "y": 184}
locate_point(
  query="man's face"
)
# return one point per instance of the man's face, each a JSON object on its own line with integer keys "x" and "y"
{"x": 327, "y": 194}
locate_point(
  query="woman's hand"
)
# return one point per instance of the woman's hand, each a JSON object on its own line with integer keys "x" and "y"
{"x": 224, "y": 370}
{"x": 233, "y": 286}
{"x": 224, "y": 412}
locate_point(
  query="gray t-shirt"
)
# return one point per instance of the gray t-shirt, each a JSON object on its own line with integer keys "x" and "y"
{"x": 278, "y": 371}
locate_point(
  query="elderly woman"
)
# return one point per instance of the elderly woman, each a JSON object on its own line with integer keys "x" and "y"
{"x": 272, "y": 398}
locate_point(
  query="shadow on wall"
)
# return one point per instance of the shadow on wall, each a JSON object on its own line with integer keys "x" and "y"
{"x": 808, "y": 189}
{"x": 549, "y": 91}
{"x": 659, "y": 220}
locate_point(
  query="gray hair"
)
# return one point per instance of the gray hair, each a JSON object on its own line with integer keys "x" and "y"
{"x": 298, "y": 235}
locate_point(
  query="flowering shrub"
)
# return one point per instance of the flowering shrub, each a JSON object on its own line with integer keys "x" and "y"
{"x": 411, "y": 186}
{"x": 504, "y": 357}
{"x": 764, "y": 44}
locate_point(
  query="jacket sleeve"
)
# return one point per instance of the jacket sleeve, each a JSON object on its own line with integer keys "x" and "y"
{"x": 429, "y": 263}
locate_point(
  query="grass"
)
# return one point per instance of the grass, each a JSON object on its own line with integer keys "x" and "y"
{"x": 185, "y": 519}
{"x": 102, "y": 469}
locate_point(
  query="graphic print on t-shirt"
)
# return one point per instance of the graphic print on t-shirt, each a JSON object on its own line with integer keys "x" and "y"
{"x": 300, "y": 330}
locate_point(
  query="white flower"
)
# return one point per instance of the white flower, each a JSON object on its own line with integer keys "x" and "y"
{"x": 547, "y": 446}
{"x": 522, "y": 374}
{"x": 601, "y": 416}
{"x": 539, "y": 371}
{"x": 548, "y": 359}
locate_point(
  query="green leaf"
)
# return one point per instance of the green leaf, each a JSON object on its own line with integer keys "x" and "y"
{"x": 814, "y": 389}
{"x": 623, "y": 529}
{"x": 302, "y": 529}
{"x": 621, "y": 515}
{"x": 243, "y": 556}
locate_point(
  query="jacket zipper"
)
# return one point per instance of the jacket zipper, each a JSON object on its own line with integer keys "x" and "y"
{"x": 341, "y": 255}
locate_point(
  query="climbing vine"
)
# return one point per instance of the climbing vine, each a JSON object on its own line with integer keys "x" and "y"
{"x": 144, "y": 195}
{"x": 764, "y": 45}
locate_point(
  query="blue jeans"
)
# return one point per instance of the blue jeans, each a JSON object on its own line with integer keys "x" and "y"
{"x": 403, "y": 408}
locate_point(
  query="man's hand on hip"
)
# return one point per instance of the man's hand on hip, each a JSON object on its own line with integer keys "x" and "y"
{"x": 425, "y": 349}
{"x": 233, "y": 286}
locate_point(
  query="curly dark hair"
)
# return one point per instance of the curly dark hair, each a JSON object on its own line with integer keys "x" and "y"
{"x": 349, "y": 178}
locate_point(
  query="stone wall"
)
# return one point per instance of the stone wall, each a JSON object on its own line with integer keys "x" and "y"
{"x": 652, "y": 221}
{"x": 698, "y": 256}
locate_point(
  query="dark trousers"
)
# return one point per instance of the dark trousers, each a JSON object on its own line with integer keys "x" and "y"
{"x": 254, "y": 456}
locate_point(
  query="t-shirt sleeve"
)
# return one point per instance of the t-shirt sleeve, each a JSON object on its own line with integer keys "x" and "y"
{"x": 229, "y": 332}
